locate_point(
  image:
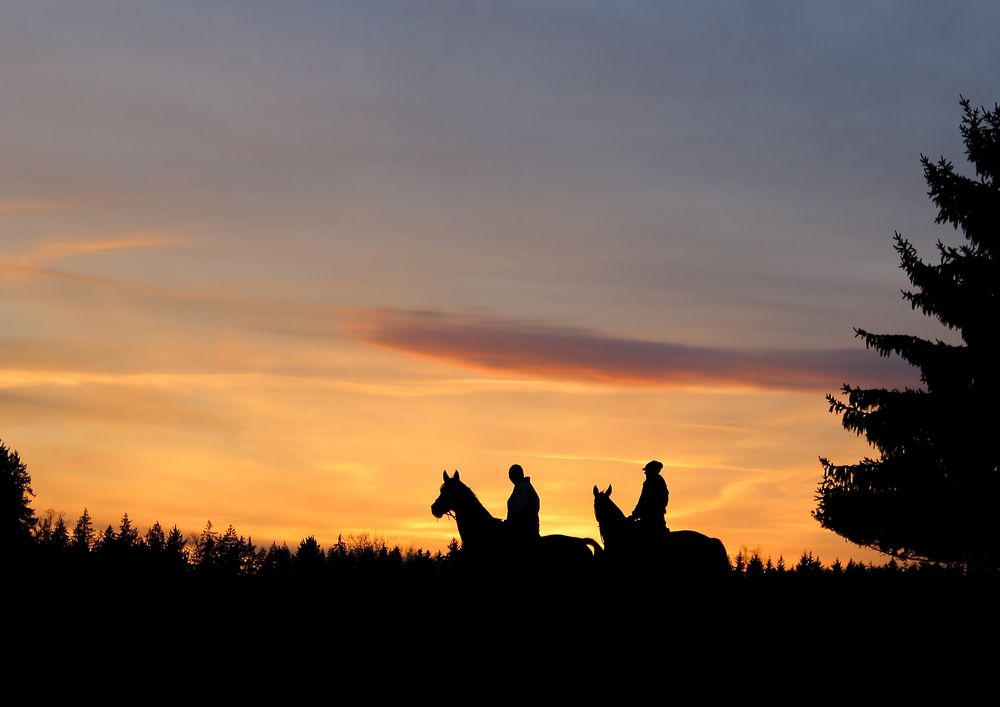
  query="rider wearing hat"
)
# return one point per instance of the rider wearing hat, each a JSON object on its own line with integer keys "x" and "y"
{"x": 652, "y": 506}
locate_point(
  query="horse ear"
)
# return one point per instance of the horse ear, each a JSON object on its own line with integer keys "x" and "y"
{"x": 595, "y": 490}
{"x": 608, "y": 491}
{"x": 456, "y": 474}
{"x": 445, "y": 472}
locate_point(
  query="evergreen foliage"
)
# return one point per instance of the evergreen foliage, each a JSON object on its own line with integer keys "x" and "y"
{"x": 931, "y": 493}
{"x": 16, "y": 515}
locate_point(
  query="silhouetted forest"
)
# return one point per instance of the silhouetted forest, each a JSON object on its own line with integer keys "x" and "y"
{"x": 215, "y": 554}
{"x": 123, "y": 549}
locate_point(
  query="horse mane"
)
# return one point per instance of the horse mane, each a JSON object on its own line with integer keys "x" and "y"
{"x": 463, "y": 487}
{"x": 611, "y": 507}
{"x": 612, "y": 515}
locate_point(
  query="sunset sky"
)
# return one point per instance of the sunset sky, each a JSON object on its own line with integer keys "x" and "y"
{"x": 279, "y": 264}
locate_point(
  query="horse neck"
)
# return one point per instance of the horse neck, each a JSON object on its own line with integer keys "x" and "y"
{"x": 614, "y": 519}
{"x": 472, "y": 517}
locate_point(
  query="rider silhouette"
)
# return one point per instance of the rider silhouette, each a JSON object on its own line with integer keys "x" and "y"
{"x": 522, "y": 508}
{"x": 652, "y": 505}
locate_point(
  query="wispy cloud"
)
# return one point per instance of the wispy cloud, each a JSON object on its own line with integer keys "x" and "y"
{"x": 12, "y": 207}
{"x": 293, "y": 318}
{"x": 562, "y": 456}
{"x": 568, "y": 353}
{"x": 48, "y": 251}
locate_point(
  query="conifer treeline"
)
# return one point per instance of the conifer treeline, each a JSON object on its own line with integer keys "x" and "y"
{"x": 228, "y": 554}
{"x": 218, "y": 554}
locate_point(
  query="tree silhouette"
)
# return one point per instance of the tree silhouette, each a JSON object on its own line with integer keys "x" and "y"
{"x": 225, "y": 555}
{"x": 204, "y": 556}
{"x": 932, "y": 493}
{"x": 809, "y": 564}
{"x": 83, "y": 533}
{"x": 60, "y": 535}
{"x": 156, "y": 540}
{"x": 16, "y": 515}
{"x": 309, "y": 558}
{"x": 277, "y": 562}
{"x": 106, "y": 546}
{"x": 235, "y": 555}
{"x": 128, "y": 535}
{"x": 44, "y": 526}
{"x": 175, "y": 554}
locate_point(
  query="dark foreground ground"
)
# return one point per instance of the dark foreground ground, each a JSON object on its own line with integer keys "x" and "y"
{"x": 483, "y": 638}
{"x": 527, "y": 608}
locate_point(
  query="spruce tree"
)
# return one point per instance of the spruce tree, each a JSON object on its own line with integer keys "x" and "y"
{"x": 175, "y": 550}
{"x": 83, "y": 533}
{"x": 932, "y": 492}
{"x": 60, "y": 535}
{"x": 16, "y": 515}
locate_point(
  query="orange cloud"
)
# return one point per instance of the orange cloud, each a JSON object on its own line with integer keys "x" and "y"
{"x": 583, "y": 355}
{"x": 46, "y": 252}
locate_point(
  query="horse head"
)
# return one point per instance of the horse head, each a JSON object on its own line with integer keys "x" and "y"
{"x": 610, "y": 518}
{"x": 450, "y": 496}
{"x": 605, "y": 510}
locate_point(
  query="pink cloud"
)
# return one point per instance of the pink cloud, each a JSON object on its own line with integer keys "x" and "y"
{"x": 578, "y": 354}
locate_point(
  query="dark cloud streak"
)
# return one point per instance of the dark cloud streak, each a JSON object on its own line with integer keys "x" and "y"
{"x": 579, "y": 354}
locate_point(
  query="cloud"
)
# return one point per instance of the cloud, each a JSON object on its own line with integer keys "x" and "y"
{"x": 539, "y": 350}
{"x": 48, "y": 251}
{"x": 209, "y": 307}
{"x": 12, "y": 207}
{"x": 70, "y": 401}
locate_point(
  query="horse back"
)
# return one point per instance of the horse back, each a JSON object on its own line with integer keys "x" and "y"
{"x": 701, "y": 554}
{"x": 566, "y": 548}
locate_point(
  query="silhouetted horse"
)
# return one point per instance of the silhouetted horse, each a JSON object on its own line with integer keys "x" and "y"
{"x": 483, "y": 536}
{"x": 682, "y": 553}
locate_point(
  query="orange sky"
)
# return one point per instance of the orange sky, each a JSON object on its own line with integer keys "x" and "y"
{"x": 279, "y": 265}
{"x": 138, "y": 406}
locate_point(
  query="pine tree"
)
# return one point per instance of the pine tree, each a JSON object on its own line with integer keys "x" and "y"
{"x": 156, "y": 539}
{"x": 175, "y": 551}
{"x": 205, "y": 549}
{"x": 128, "y": 534}
{"x": 809, "y": 564}
{"x": 235, "y": 555}
{"x": 16, "y": 515}
{"x": 83, "y": 533}
{"x": 277, "y": 561}
{"x": 60, "y": 535}
{"x": 105, "y": 545}
{"x": 309, "y": 558}
{"x": 932, "y": 492}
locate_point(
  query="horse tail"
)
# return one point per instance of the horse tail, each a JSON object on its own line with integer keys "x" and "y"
{"x": 598, "y": 550}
